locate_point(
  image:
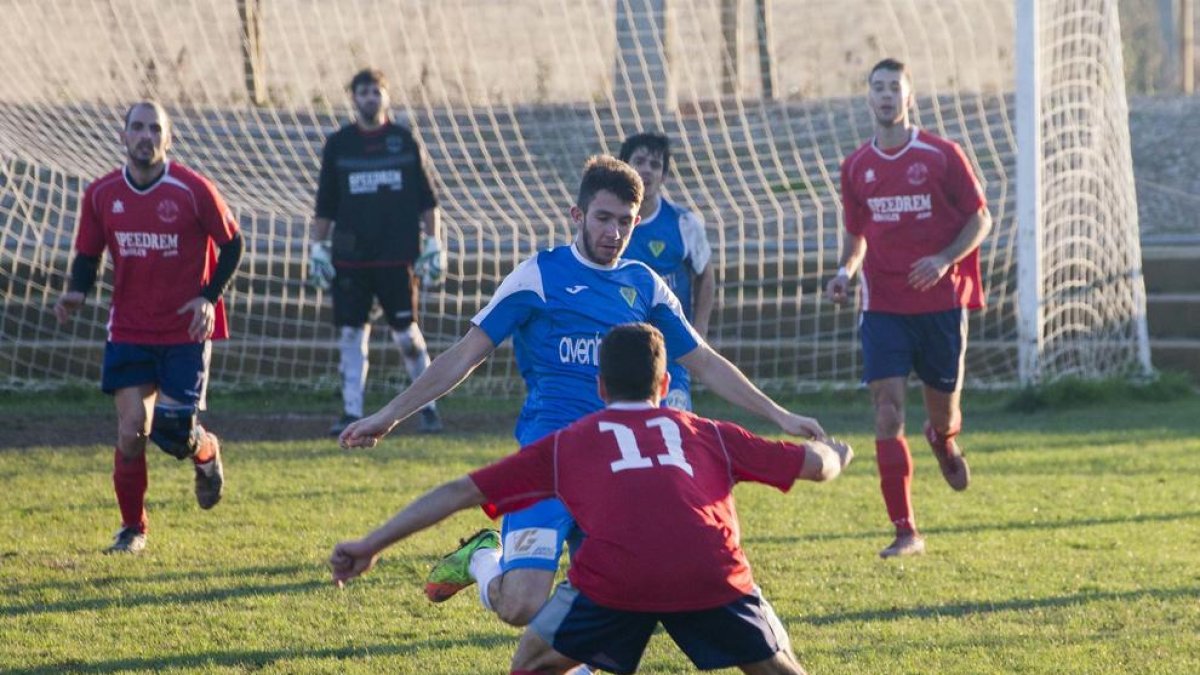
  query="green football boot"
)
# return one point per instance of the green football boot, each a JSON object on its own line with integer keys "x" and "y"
{"x": 452, "y": 573}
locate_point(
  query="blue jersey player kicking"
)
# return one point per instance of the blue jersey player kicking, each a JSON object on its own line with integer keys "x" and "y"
{"x": 670, "y": 239}
{"x": 556, "y": 306}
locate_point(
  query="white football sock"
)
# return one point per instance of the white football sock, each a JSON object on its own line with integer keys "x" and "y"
{"x": 352, "y": 343}
{"x": 412, "y": 348}
{"x": 485, "y": 566}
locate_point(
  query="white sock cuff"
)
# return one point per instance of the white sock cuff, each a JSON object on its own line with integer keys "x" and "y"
{"x": 410, "y": 339}
{"x": 485, "y": 566}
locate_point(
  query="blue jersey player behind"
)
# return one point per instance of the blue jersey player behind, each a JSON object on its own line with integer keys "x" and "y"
{"x": 671, "y": 240}
{"x": 556, "y": 306}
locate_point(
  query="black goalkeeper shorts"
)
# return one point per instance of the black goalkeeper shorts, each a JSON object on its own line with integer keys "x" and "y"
{"x": 355, "y": 290}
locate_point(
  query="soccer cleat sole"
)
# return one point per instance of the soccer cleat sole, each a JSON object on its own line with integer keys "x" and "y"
{"x": 443, "y": 591}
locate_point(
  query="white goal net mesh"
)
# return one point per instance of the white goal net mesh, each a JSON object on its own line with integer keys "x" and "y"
{"x": 762, "y": 100}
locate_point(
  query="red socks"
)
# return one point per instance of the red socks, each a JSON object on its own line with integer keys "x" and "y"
{"x": 895, "y": 477}
{"x": 129, "y": 480}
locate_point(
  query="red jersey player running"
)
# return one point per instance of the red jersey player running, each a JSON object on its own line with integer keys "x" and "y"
{"x": 652, "y": 488}
{"x": 915, "y": 215}
{"x": 162, "y": 224}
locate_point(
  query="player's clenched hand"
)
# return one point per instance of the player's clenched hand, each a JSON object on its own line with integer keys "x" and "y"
{"x": 204, "y": 318}
{"x": 926, "y": 272}
{"x": 799, "y": 425}
{"x": 365, "y": 433}
{"x": 67, "y": 304}
{"x": 837, "y": 290}
{"x": 350, "y": 559}
{"x": 843, "y": 450}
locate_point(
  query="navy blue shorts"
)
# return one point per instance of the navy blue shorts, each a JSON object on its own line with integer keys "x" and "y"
{"x": 932, "y": 344}
{"x": 741, "y": 632}
{"x": 179, "y": 372}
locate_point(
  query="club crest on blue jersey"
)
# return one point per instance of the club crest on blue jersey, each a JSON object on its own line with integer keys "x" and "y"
{"x": 630, "y": 294}
{"x": 657, "y": 247}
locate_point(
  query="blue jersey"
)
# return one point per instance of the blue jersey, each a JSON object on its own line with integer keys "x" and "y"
{"x": 557, "y": 306}
{"x": 672, "y": 242}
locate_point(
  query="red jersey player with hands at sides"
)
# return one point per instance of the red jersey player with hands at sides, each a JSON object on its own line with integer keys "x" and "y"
{"x": 652, "y": 489}
{"x": 174, "y": 246}
{"x": 915, "y": 216}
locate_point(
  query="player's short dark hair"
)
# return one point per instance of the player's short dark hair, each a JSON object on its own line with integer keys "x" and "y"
{"x": 149, "y": 103}
{"x": 368, "y": 76}
{"x": 633, "y": 360}
{"x": 605, "y": 172}
{"x": 654, "y": 143}
{"x": 893, "y": 65}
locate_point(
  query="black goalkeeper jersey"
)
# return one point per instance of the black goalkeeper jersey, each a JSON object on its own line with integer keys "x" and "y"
{"x": 374, "y": 188}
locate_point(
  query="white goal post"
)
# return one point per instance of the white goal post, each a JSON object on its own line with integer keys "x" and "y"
{"x": 762, "y": 98}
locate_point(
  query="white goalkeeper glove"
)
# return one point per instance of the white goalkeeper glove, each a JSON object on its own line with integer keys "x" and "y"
{"x": 431, "y": 264}
{"x": 320, "y": 267}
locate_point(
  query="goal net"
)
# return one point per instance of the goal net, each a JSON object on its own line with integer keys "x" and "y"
{"x": 762, "y": 98}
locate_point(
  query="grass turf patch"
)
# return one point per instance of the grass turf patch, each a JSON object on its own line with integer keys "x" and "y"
{"x": 1074, "y": 550}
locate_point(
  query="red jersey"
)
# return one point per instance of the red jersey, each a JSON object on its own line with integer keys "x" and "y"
{"x": 162, "y": 241}
{"x": 652, "y": 488}
{"x": 908, "y": 204}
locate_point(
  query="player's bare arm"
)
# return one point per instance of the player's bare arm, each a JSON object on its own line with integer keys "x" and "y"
{"x": 926, "y": 272}
{"x": 704, "y": 294}
{"x": 431, "y": 223}
{"x": 443, "y": 374}
{"x": 204, "y": 318}
{"x": 354, "y": 558}
{"x": 729, "y": 383}
{"x": 321, "y": 228}
{"x": 838, "y": 288}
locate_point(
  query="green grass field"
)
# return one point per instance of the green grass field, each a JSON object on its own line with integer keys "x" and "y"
{"x": 1076, "y": 550}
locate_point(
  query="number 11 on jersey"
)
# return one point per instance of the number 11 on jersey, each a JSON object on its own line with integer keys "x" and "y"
{"x": 631, "y": 454}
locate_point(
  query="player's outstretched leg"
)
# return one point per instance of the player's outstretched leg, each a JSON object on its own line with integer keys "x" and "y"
{"x": 895, "y": 479}
{"x": 416, "y": 360}
{"x": 210, "y": 472}
{"x": 452, "y": 573}
{"x": 129, "y": 467}
{"x": 950, "y": 457}
{"x": 353, "y": 365}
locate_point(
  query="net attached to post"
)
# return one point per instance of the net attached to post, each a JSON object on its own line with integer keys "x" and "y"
{"x": 763, "y": 100}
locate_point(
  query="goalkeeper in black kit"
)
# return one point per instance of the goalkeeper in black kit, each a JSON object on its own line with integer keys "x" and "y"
{"x": 374, "y": 195}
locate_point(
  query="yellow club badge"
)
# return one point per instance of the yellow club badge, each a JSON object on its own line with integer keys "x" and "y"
{"x": 657, "y": 247}
{"x": 629, "y": 293}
